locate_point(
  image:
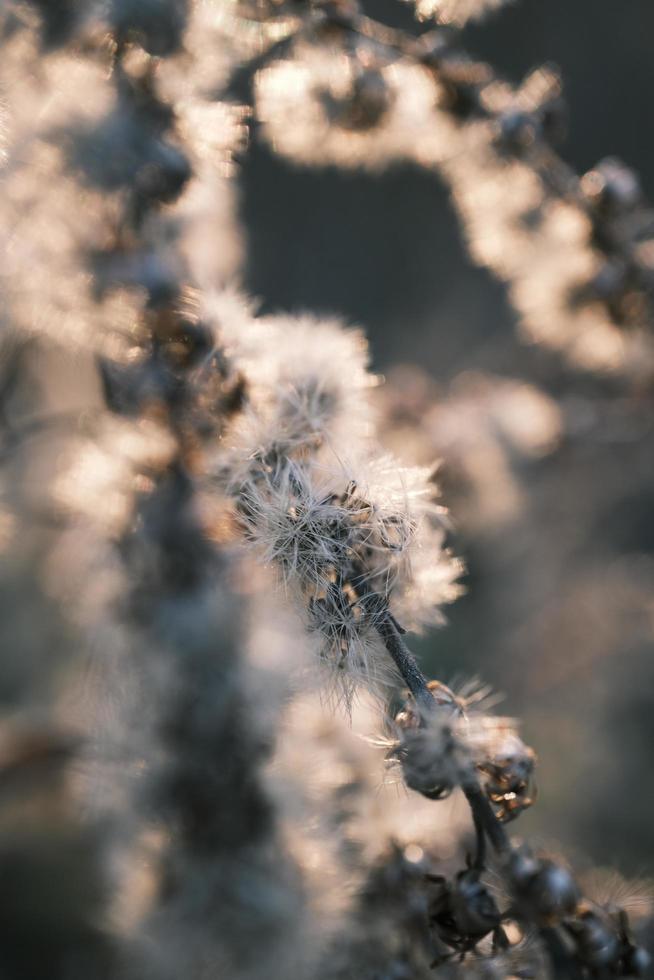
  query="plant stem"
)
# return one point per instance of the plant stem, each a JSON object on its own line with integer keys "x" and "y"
{"x": 482, "y": 812}
{"x": 480, "y": 834}
{"x": 483, "y": 816}
{"x": 563, "y": 962}
{"x": 405, "y": 662}
{"x": 486, "y": 823}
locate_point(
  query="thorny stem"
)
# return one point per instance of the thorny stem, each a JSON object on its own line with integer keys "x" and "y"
{"x": 482, "y": 813}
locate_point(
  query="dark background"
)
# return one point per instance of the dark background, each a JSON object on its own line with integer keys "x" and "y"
{"x": 559, "y": 610}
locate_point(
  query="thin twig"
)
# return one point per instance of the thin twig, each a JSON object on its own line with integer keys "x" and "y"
{"x": 405, "y": 662}
{"x": 482, "y": 814}
{"x": 479, "y": 862}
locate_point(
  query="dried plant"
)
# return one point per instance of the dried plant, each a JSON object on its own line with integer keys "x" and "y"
{"x": 198, "y": 508}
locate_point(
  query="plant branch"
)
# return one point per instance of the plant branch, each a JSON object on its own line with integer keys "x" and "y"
{"x": 405, "y": 662}
{"x": 482, "y": 812}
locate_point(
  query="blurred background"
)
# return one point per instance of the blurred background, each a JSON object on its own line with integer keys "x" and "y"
{"x": 548, "y": 473}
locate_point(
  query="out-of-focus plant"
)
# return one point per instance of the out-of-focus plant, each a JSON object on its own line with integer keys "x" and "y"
{"x": 575, "y": 251}
{"x": 195, "y": 499}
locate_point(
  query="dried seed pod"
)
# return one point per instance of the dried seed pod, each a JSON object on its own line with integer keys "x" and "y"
{"x": 428, "y": 749}
{"x": 508, "y": 771}
{"x": 364, "y": 106}
{"x": 543, "y": 890}
{"x": 462, "y": 912}
{"x": 603, "y": 942}
{"x": 612, "y": 187}
{"x": 428, "y": 759}
{"x": 517, "y": 130}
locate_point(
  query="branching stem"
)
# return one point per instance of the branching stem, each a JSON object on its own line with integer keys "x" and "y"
{"x": 487, "y": 826}
{"x": 482, "y": 812}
